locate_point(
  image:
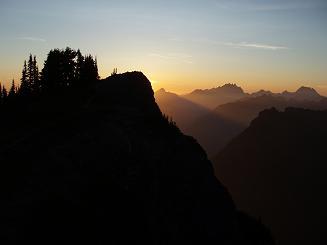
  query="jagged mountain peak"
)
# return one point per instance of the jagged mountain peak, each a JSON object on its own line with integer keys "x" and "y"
{"x": 226, "y": 88}
{"x": 211, "y": 98}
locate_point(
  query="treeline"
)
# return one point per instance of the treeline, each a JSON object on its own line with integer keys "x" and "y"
{"x": 63, "y": 69}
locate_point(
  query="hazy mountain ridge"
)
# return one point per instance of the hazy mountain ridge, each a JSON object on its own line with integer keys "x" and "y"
{"x": 245, "y": 110}
{"x": 276, "y": 170}
{"x": 180, "y": 109}
{"x": 215, "y": 128}
{"x": 104, "y": 166}
{"x": 211, "y": 98}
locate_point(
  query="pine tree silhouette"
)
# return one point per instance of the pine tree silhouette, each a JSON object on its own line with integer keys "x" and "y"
{"x": 63, "y": 68}
{"x": 36, "y": 79}
{"x": 90, "y": 71}
{"x": 114, "y": 72}
{"x": 30, "y": 73}
{"x": 68, "y": 68}
{"x": 24, "y": 89}
{"x": 79, "y": 65}
{"x": 12, "y": 91}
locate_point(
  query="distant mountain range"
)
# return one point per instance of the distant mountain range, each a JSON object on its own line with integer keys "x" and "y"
{"x": 245, "y": 110}
{"x": 214, "y": 128}
{"x": 211, "y": 98}
{"x": 276, "y": 169}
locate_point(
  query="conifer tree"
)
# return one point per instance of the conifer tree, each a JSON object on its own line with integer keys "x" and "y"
{"x": 96, "y": 68}
{"x": 24, "y": 89}
{"x": 66, "y": 68}
{"x": 90, "y": 70}
{"x": 115, "y": 71}
{"x": 59, "y": 69}
{"x": 12, "y": 91}
{"x": 79, "y": 65}
{"x": 30, "y": 72}
{"x": 36, "y": 79}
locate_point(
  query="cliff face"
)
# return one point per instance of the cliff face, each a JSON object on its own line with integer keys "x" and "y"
{"x": 276, "y": 170}
{"x": 105, "y": 167}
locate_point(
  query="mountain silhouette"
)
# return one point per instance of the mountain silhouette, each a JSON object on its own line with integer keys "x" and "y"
{"x": 103, "y": 166}
{"x": 276, "y": 170}
{"x": 181, "y": 110}
{"x": 209, "y": 128}
{"x": 303, "y": 93}
{"x": 215, "y": 128}
{"x": 261, "y": 92}
{"x": 211, "y": 98}
{"x": 245, "y": 110}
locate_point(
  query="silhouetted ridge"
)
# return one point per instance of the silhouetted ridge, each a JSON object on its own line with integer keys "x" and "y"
{"x": 215, "y": 116}
{"x": 276, "y": 170}
{"x": 308, "y": 93}
{"x": 106, "y": 167}
{"x": 226, "y": 88}
{"x": 181, "y": 110}
{"x": 261, "y": 93}
{"x": 211, "y": 98}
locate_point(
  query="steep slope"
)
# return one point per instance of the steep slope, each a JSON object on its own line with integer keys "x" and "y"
{"x": 276, "y": 170}
{"x": 213, "y": 131}
{"x": 103, "y": 166}
{"x": 182, "y": 111}
{"x": 211, "y": 98}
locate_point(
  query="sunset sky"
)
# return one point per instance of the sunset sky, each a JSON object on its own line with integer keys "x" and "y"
{"x": 179, "y": 44}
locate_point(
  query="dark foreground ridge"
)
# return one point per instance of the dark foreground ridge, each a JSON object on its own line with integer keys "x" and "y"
{"x": 276, "y": 169}
{"x": 106, "y": 167}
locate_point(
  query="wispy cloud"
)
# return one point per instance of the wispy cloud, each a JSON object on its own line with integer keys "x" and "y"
{"x": 243, "y": 44}
{"x": 255, "y": 46}
{"x": 32, "y": 39}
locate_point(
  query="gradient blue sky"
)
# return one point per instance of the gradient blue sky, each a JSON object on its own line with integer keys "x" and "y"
{"x": 180, "y": 44}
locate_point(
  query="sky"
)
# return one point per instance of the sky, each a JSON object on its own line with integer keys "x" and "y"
{"x": 180, "y": 45}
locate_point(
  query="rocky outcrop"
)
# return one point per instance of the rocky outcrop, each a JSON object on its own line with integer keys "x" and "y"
{"x": 106, "y": 167}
